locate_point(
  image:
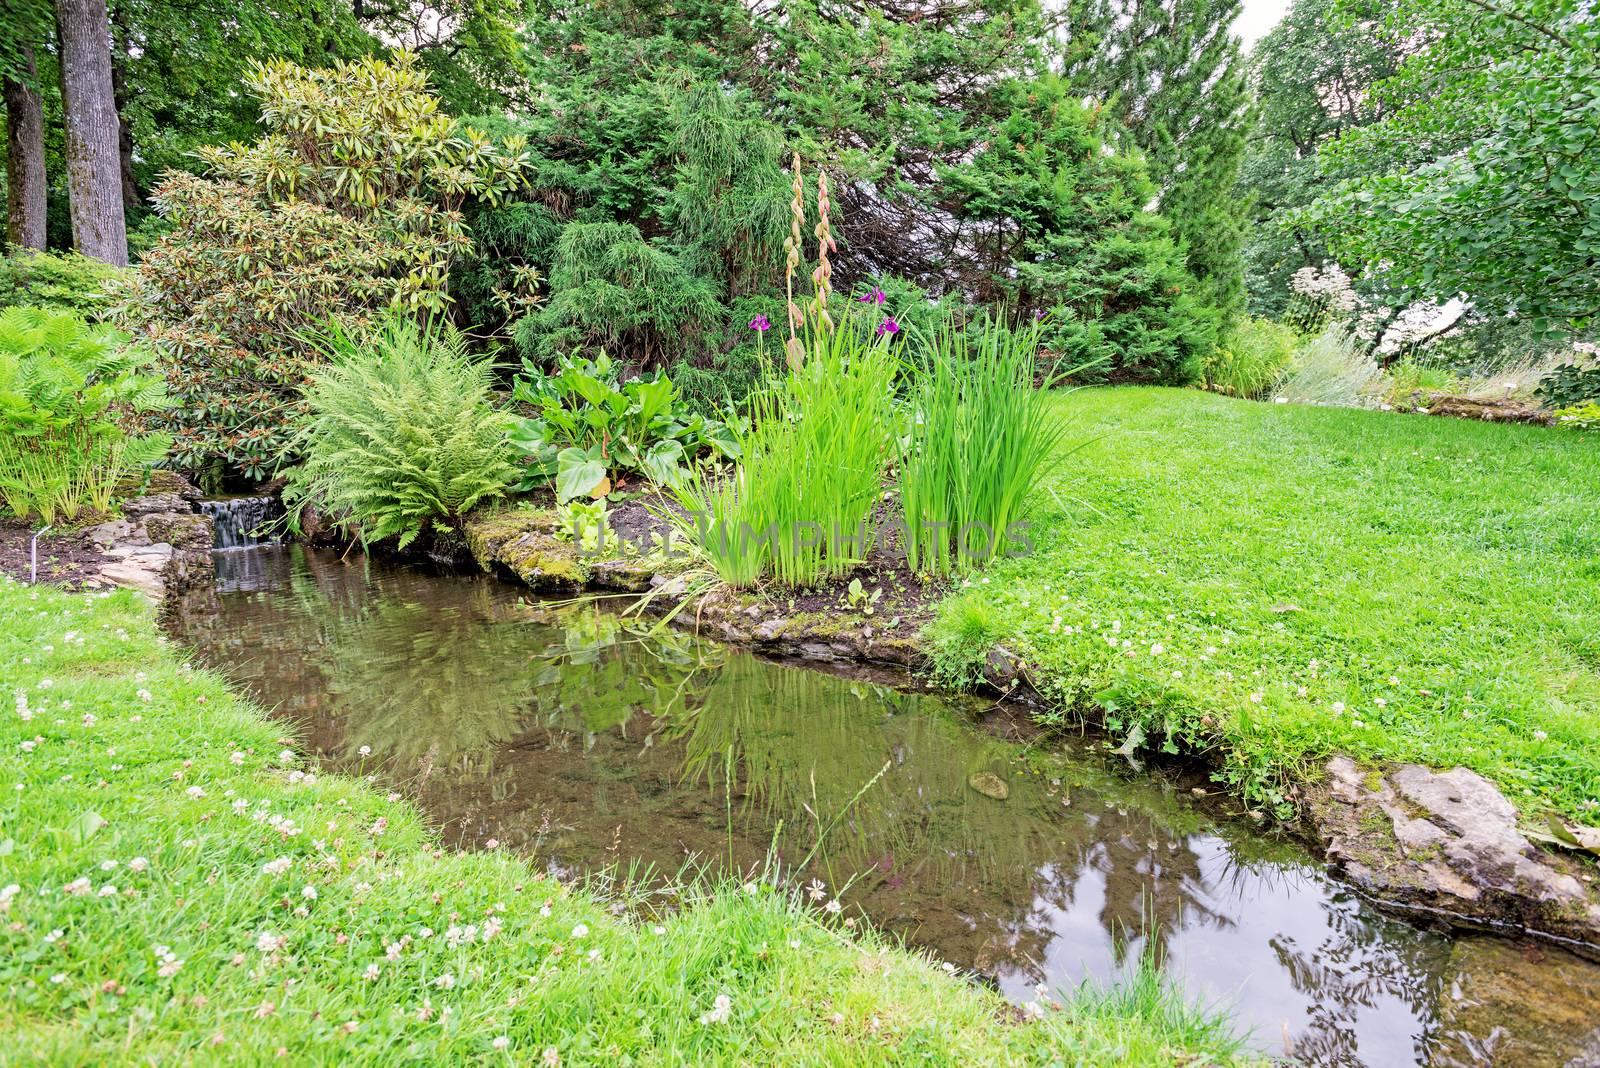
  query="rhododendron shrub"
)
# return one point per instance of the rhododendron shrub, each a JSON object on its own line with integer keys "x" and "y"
{"x": 348, "y": 207}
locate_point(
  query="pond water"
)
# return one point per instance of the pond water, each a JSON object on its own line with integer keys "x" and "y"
{"x": 566, "y": 734}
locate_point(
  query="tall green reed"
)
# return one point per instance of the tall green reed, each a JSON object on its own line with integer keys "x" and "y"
{"x": 981, "y": 436}
{"x": 797, "y": 507}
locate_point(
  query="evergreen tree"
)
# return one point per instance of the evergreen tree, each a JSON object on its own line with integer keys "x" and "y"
{"x": 1172, "y": 73}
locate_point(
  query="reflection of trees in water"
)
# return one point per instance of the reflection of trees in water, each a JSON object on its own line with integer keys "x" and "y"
{"x": 805, "y": 744}
{"x": 427, "y": 685}
{"x": 1154, "y": 884}
{"x": 1361, "y": 963}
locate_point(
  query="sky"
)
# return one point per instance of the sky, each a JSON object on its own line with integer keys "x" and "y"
{"x": 1257, "y": 17}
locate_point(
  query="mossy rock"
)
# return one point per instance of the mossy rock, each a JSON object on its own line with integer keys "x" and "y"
{"x": 522, "y": 543}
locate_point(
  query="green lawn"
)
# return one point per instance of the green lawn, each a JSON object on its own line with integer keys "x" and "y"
{"x": 174, "y": 888}
{"x": 1276, "y": 583}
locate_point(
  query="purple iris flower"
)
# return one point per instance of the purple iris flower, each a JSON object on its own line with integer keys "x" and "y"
{"x": 873, "y": 297}
{"x": 760, "y": 323}
{"x": 888, "y": 326}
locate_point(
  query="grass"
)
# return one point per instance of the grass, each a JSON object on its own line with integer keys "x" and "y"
{"x": 178, "y": 887}
{"x": 1330, "y": 369}
{"x": 1251, "y": 357}
{"x": 1276, "y": 583}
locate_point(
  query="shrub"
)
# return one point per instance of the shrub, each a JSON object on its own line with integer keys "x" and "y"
{"x": 1330, "y": 369}
{"x": 65, "y": 282}
{"x": 1059, "y": 224}
{"x": 659, "y": 207}
{"x": 981, "y": 436}
{"x": 1573, "y": 383}
{"x": 399, "y": 433}
{"x": 71, "y": 399}
{"x": 796, "y": 508}
{"x": 1585, "y": 416}
{"x": 1252, "y": 355}
{"x": 589, "y": 430}
{"x": 347, "y": 207}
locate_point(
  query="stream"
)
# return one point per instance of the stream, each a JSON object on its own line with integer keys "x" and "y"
{"x": 586, "y": 743}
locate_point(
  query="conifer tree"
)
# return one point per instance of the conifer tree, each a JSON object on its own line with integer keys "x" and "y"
{"x": 1173, "y": 75}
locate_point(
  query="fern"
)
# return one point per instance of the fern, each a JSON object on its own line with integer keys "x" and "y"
{"x": 72, "y": 401}
{"x": 400, "y": 433}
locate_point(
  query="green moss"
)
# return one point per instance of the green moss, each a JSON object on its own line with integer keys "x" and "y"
{"x": 522, "y": 542}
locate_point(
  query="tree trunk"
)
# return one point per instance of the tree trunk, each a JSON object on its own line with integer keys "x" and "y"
{"x": 94, "y": 167}
{"x": 25, "y": 184}
{"x": 119, "y": 96}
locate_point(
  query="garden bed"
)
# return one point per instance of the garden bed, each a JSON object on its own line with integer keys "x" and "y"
{"x": 879, "y": 621}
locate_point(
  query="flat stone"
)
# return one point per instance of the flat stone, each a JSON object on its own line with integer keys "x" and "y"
{"x": 989, "y": 784}
{"x": 133, "y": 576}
{"x": 117, "y": 532}
{"x": 138, "y": 507}
{"x": 1448, "y": 841}
{"x": 1478, "y": 833}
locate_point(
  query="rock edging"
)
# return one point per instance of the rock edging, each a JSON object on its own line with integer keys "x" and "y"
{"x": 160, "y": 546}
{"x": 1447, "y": 842}
{"x": 524, "y": 546}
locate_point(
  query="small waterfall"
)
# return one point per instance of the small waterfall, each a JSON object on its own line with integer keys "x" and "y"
{"x": 240, "y": 522}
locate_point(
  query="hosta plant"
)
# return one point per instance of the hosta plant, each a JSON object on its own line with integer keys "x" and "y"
{"x": 591, "y": 431}
{"x": 73, "y": 400}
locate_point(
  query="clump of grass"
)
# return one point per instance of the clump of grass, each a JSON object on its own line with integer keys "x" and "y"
{"x": 1252, "y": 356}
{"x": 795, "y": 510}
{"x": 1332, "y": 370}
{"x": 177, "y": 887}
{"x": 981, "y": 436}
{"x": 960, "y": 638}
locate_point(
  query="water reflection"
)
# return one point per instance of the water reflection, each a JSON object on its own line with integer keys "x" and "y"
{"x": 570, "y": 736}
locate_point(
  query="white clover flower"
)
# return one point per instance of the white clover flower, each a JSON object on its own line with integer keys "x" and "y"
{"x": 721, "y": 1009}
{"x": 277, "y": 866}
